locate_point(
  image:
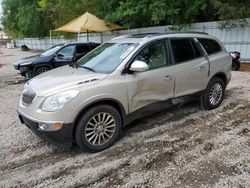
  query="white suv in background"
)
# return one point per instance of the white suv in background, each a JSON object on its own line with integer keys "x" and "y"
{"x": 122, "y": 80}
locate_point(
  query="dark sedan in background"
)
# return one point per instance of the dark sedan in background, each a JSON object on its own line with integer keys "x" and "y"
{"x": 56, "y": 56}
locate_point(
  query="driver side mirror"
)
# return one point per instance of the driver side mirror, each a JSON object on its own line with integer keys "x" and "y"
{"x": 74, "y": 59}
{"x": 138, "y": 66}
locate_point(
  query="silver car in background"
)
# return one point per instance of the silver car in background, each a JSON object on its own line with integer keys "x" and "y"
{"x": 122, "y": 80}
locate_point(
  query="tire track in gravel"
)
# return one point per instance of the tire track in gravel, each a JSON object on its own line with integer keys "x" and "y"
{"x": 158, "y": 160}
{"x": 35, "y": 160}
{"x": 160, "y": 157}
{"x": 32, "y": 163}
{"x": 48, "y": 157}
{"x": 155, "y": 161}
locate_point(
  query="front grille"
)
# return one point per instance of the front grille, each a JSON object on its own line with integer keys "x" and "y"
{"x": 23, "y": 69}
{"x": 28, "y": 96}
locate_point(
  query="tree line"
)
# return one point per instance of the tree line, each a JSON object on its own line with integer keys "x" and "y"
{"x": 35, "y": 18}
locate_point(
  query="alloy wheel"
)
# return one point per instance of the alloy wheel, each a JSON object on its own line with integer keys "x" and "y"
{"x": 100, "y": 128}
{"x": 215, "y": 94}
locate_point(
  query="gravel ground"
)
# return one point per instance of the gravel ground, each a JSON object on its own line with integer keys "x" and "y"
{"x": 180, "y": 147}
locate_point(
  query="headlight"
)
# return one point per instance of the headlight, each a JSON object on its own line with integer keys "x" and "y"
{"x": 25, "y": 64}
{"x": 25, "y": 86}
{"x": 58, "y": 101}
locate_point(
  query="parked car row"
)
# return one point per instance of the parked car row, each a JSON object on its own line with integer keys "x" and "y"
{"x": 56, "y": 56}
{"x": 121, "y": 80}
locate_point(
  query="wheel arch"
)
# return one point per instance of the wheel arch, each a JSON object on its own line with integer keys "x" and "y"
{"x": 112, "y": 102}
{"x": 220, "y": 75}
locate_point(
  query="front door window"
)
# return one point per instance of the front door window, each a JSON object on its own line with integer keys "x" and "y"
{"x": 67, "y": 52}
{"x": 154, "y": 55}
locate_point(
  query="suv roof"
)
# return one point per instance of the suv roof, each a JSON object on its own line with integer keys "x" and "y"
{"x": 135, "y": 38}
{"x": 81, "y": 43}
{"x": 75, "y": 43}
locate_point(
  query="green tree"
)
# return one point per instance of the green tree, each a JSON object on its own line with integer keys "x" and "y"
{"x": 131, "y": 13}
{"x": 63, "y": 11}
{"x": 34, "y": 18}
{"x": 229, "y": 10}
{"x": 9, "y": 19}
{"x": 22, "y": 18}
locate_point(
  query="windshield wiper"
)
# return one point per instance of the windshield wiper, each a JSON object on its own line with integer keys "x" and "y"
{"x": 74, "y": 65}
{"x": 88, "y": 68}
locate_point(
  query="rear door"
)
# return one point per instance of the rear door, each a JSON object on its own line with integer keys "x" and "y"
{"x": 191, "y": 67}
{"x": 220, "y": 60}
{"x": 65, "y": 56}
{"x": 81, "y": 50}
{"x": 155, "y": 84}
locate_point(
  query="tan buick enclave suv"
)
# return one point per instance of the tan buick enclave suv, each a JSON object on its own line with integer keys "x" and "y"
{"x": 123, "y": 79}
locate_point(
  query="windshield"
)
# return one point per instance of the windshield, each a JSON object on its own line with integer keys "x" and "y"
{"x": 107, "y": 57}
{"x": 51, "y": 50}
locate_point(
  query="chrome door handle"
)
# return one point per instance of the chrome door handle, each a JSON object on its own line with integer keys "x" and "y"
{"x": 168, "y": 77}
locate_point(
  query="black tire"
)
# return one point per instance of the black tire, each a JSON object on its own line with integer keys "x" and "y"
{"x": 237, "y": 66}
{"x": 83, "y": 132}
{"x": 41, "y": 70}
{"x": 214, "y": 93}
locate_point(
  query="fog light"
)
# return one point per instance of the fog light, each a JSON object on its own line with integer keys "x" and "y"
{"x": 44, "y": 126}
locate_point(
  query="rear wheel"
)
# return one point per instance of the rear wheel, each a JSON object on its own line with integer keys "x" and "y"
{"x": 214, "y": 94}
{"x": 41, "y": 70}
{"x": 98, "y": 128}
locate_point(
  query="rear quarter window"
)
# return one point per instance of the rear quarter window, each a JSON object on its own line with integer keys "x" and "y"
{"x": 211, "y": 46}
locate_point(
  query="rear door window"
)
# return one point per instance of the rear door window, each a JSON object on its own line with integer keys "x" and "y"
{"x": 80, "y": 49}
{"x": 184, "y": 50}
{"x": 93, "y": 46}
{"x": 211, "y": 46}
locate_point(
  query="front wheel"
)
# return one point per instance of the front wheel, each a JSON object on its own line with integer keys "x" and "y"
{"x": 98, "y": 128}
{"x": 214, "y": 93}
{"x": 41, "y": 70}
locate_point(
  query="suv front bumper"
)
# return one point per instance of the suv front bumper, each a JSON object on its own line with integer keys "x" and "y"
{"x": 26, "y": 71}
{"x": 62, "y": 137}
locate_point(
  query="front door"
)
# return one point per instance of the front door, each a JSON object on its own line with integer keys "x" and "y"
{"x": 155, "y": 84}
{"x": 65, "y": 56}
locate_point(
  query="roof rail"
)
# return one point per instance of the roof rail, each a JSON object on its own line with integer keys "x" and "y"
{"x": 195, "y": 32}
{"x": 142, "y": 35}
{"x": 147, "y": 35}
{"x": 120, "y": 37}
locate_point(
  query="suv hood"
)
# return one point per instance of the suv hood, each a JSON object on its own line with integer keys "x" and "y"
{"x": 63, "y": 78}
{"x": 28, "y": 59}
